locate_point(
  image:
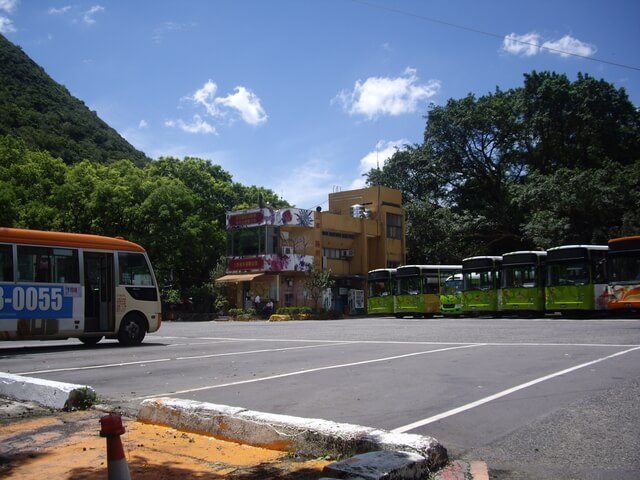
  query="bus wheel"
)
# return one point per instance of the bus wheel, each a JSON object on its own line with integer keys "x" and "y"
{"x": 132, "y": 331}
{"x": 90, "y": 340}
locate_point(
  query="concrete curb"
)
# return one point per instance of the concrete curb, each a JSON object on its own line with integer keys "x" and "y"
{"x": 51, "y": 394}
{"x": 371, "y": 454}
{"x": 461, "y": 470}
{"x": 314, "y": 437}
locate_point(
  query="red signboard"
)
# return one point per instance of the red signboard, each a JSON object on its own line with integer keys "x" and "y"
{"x": 244, "y": 264}
{"x": 248, "y": 218}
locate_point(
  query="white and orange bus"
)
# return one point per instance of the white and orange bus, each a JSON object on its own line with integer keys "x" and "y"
{"x": 57, "y": 285}
{"x": 623, "y": 265}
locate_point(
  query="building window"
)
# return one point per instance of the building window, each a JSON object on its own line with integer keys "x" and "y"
{"x": 394, "y": 226}
{"x": 253, "y": 241}
{"x": 328, "y": 233}
{"x": 334, "y": 253}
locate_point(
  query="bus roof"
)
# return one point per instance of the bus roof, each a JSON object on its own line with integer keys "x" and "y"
{"x": 433, "y": 267}
{"x": 62, "y": 239}
{"x": 529, "y": 257}
{"x": 483, "y": 257}
{"x": 587, "y": 247}
{"x": 382, "y": 270}
{"x": 625, "y": 244}
{"x": 540, "y": 253}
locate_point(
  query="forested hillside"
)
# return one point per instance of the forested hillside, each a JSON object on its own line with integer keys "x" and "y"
{"x": 551, "y": 163}
{"x": 64, "y": 169}
{"x": 47, "y": 117}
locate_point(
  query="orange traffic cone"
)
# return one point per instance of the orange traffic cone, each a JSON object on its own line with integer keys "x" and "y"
{"x": 112, "y": 428}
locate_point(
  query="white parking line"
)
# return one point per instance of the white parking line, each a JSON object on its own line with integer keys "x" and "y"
{"x": 309, "y": 370}
{"x": 482, "y": 401}
{"x": 265, "y": 350}
{"x": 143, "y": 362}
{"x": 91, "y": 367}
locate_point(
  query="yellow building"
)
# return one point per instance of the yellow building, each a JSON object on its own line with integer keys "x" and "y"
{"x": 269, "y": 252}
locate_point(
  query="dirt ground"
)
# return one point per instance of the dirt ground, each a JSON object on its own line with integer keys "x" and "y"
{"x": 63, "y": 445}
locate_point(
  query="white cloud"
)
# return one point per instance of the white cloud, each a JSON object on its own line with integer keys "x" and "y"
{"x": 246, "y": 103}
{"x": 8, "y": 5}
{"x": 568, "y": 45}
{"x": 6, "y": 25}
{"x": 161, "y": 31}
{"x": 387, "y": 96}
{"x": 376, "y": 159}
{"x": 87, "y": 16}
{"x": 243, "y": 103}
{"x": 206, "y": 97}
{"x": 58, "y": 11}
{"x": 531, "y": 44}
{"x": 143, "y": 124}
{"x": 198, "y": 125}
{"x": 526, "y": 45}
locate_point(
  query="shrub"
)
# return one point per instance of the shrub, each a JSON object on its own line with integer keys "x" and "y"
{"x": 241, "y": 312}
{"x": 294, "y": 312}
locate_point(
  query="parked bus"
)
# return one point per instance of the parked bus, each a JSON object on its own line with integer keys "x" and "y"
{"x": 59, "y": 285}
{"x": 451, "y": 294}
{"x": 624, "y": 274}
{"x": 576, "y": 279}
{"x": 481, "y": 282}
{"x": 382, "y": 285}
{"x": 522, "y": 279}
{"x": 420, "y": 287}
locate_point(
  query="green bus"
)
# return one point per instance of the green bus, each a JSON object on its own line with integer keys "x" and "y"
{"x": 522, "y": 282}
{"x": 480, "y": 284}
{"x": 576, "y": 279}
{"x": 420, "y": 288}
{"x": 451, "y": 294}
{"x": 382, "y": 287}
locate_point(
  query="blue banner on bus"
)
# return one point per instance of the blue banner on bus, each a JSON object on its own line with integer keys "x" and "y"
{"x": 38, "y": 301}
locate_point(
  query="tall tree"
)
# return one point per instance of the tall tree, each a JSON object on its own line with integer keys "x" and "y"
{"x": 550, "y": 163}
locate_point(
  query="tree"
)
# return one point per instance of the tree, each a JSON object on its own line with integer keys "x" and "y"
{"x": 577, "y": 125}
{"x": 572, "y": 206}
{"x": 315, "y": 283}
{"x": 545, "y": 164}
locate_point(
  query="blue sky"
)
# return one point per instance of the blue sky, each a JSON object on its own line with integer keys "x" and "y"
{"x": 303, "y": 96}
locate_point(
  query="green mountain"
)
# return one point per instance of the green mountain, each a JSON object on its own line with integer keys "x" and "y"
{"x": 46, "y": 116}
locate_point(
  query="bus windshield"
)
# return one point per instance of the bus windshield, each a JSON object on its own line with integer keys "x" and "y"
{"x": 480, "y": 280}
{"x": 567, "y": 273}
{"x": 519, "y": 276}
{"x": 452, "y": 284}
{"x": 625, "y": 268}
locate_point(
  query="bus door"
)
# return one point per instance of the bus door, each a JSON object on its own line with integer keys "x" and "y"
{"x": 99, "y": 289}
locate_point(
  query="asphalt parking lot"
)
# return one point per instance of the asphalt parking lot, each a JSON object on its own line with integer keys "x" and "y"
{"x": 534, "y": 398}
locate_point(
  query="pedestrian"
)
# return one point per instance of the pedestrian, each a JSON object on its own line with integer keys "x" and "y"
{"x": 268, "y": 309}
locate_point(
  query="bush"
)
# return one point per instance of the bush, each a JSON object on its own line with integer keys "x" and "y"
{"x": 241, "y": 312}
{"x": 294, "y": 312}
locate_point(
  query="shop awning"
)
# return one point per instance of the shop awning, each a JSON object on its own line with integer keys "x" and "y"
{"x": 238, "y": 277}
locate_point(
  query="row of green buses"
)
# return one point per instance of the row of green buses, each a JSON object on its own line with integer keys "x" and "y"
{"x": 572, "y": 279}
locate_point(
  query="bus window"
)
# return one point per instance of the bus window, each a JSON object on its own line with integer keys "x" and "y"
{"x": 431, "y": 283}
{"x": 452, "y": 284}
{"x": 48, "y": 265}
{"x": 134, "y": 270}
{"x": 6, "y": 263}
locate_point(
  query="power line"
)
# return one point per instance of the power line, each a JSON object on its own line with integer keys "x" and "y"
{"x": 490, "y": 34}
